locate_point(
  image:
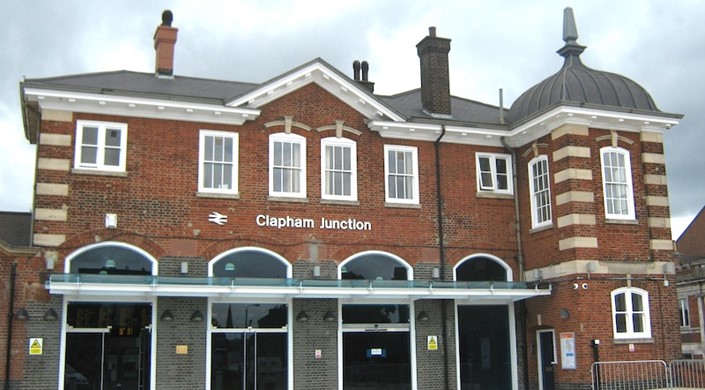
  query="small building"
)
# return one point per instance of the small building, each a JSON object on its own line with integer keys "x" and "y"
{"x": 691, "y": 277}
{"x": 307, "y": 233}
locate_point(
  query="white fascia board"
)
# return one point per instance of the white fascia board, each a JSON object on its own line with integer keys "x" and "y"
{"x": 139, "y": 107}
{"x": 595, "y": 118}
{"x": 343, "y": 89}
{"x": 406, "y": 130}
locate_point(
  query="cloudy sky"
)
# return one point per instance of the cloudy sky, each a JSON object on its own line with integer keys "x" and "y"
{"x": 505, "y": 44}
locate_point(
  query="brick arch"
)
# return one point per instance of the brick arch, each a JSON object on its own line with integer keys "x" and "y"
{"x": 262, "y": 241}
{"x": 120, "y": 235}
{"x": 390, "y": 247}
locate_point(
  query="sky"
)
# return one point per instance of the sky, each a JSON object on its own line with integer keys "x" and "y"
{"x": 507, "y": 44}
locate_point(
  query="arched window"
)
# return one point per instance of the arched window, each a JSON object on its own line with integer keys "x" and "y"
{"x": 617, "y": 183}
{"x": 482, "y": 268}
{"x": 111, "y": 259}
{"x": 375, "y": 266}
{"x": 630, "y": 313}
{"x": 250, "y": 263}
{"x": 539, "y": 186}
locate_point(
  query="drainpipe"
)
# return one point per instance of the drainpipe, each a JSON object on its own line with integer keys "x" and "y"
{"x": 441, "y": 256}
{"x": 520, "y": 252}
{"x": 10, "y": 318}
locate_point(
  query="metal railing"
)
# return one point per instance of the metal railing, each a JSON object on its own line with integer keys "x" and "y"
{"x": 648, "y": 374}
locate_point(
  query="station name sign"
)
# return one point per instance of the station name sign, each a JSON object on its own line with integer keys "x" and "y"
{"x": 286, "y": 222}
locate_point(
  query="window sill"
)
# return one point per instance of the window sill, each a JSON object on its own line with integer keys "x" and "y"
{"x": 97, "y": 172}
{"x": 287, "y": 199}
{"x": 622, "y": 221}
{"x": 402, "y": 205}
{"x": 217, "y": 195}
{"x": 642, "y": 340}
{"x": 340, "y": 202}
{"x": 541, "y": 228}
{"x": 493, "y": 195}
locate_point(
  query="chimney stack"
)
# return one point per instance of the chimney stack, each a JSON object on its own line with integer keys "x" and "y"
{"x": 164, "y": 42}
{"x": 365, "y": 68}
{"x": 435, "y": 81}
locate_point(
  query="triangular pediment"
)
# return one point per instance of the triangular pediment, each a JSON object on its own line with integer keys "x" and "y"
{"x": 325, "y": 76}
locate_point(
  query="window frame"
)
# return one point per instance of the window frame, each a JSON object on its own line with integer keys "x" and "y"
{"x": 414, "y": 199}
{"x": 293, "y": 139}
{"x": 235, "y": 161}
{"x": 628, "y": 183}
{"x": 344, "y": 143}
{"x": 629, "y": 313}
{"x": 535, "y": 206}
{"x": 101, "y": 146}
{"x": 492, "y": 188}
{"x": 684, "y": 312}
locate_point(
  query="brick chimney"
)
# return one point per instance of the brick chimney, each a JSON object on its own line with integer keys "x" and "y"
{"x": 435, "y": 81}
{"x": 365, "y": 68}
{"x": 164, "y": 42}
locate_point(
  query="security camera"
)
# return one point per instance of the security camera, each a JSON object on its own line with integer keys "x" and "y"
{"x": 585, "y": 286}
{"x": 575, "y": 286}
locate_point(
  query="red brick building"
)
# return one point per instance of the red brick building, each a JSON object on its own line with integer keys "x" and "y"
{"x": 307, "y": 233}
{"x": 691, "y": 276}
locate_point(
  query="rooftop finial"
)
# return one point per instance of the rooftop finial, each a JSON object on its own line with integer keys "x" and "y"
{"x": 570, "y": 31}
{"x": 571, "y": 49}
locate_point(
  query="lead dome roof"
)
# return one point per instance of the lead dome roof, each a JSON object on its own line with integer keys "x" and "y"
{"x": 578, "y": 85}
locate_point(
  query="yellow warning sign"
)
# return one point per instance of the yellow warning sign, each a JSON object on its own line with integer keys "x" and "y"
{"x": 432, "y": 343}
{"x": 35, "y": 346}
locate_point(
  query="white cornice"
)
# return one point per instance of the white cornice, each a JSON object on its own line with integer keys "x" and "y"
{"x": 528, "y": 132}
{"x": 138, "y": 107}
{"x": 349, "y": 92}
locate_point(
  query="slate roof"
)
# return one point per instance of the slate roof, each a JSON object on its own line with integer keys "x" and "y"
{"x": 16, "y": 228}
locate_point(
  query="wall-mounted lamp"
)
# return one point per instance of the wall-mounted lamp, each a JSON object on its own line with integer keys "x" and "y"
{"x": 22, "y": 315}
{"x": 435, "y": 273}
{"x": 302, "y": 316}
{"x": 316, "y": 271}
{"x": 329, "y": 316}
{"x": 50, "y": 315}
{"x": 423, "y": 316}
{"x": 230, "y": 267}
{"x": 167, "y": 316}
{"x": 591, "y": 266}
{"x": 184, "y": 268}
{"x": 565, "y": 314}
{"x": 197, "y": 316}
{"x": 111, "y": 221}
{"x": 538, "y": 274}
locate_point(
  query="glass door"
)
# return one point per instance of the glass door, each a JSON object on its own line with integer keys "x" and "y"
{"x": 115, "y": 355}
{"x": 376, "y": 360}
{"x": 249, "y": 361}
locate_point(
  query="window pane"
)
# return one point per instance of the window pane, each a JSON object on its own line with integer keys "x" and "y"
{"x": 208, "y": 148}
{"x": 486, "y": 180}
{"x": 90, "y": 136}
{"x": 484, "y": 164}
{"x": 296, "y": 155}
{"x": 208, "y": 175}
{"x": 502, "y": 182}
{"x": 112, "y": 137}
{"x": 392, "y": 161}
{"x": 89, "y": 154}
{"x": 392, "y": 187}
{"x": 112, "y": 157}
{"x": 277, "y": 179}
{"x": 638, "y": 320}
{"x": 347, "y": 159}
{"x": 637, "y": 303}
{"x": 501, "y": 166}
{"x": 620, "y": 303}
{"x": 228, "y": 150}
{"x": 621, "y": 322}
{"x": 278, "y": 158}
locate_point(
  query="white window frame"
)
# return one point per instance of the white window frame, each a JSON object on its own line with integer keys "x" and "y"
{"x": 102, "y": 127}
{"x": 629, "y": 312}
{"x": 684, "y": 312}
{"x": 300, "y": 170}
{"x": 342, "y": 143}
{"x": 202, "y": 162}
{"x": 625, "y": 182}
{"x": 414, "y": 199}
{"x": 537, "y": 194}
{"x": 492, "y": 187}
